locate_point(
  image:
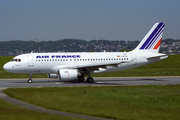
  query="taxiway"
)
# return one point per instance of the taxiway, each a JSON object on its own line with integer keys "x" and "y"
{"x": 106, "y": 81}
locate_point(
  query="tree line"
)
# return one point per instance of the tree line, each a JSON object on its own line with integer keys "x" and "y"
{"x": 68, "y": 45}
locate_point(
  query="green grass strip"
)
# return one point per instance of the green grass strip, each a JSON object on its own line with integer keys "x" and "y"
{"x": 12, "y": 112}
{"x": 152, "y": 102}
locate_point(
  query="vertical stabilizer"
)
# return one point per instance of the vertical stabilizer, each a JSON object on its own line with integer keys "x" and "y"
{"x": 152, "y": 40}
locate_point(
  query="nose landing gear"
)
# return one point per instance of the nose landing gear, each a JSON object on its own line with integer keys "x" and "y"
{"x": 30, "y": 79}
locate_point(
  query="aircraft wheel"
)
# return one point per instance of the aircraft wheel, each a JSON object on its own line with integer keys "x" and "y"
{"x": 90, "y": 80}
{"x": 29, "y": 81}
{"x": 81, "y": 78}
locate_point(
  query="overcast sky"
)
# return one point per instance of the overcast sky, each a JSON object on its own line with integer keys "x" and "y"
{"x": 86, "y": 19}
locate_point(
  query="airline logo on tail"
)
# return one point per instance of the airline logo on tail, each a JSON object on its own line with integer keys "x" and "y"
{"x": 153, "y": 39}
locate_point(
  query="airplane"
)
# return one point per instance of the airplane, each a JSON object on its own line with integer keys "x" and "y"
{"x": 75, "y": 65}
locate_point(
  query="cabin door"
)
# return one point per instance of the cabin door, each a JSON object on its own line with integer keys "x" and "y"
{"x": 30, "y": 61}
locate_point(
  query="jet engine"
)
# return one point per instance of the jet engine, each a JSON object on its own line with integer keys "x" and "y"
{"x": 68, "y": 74}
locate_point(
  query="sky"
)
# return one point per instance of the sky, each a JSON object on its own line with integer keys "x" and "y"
{"x": 86, "y": 19}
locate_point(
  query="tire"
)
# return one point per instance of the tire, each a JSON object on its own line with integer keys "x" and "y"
{"x": 81, "y": 79}
{"x": 90, "y": 80}
{"x": 29, "y": 81}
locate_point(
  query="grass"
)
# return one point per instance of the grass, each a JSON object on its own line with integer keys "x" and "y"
{"x": 167, "y": 67}
{"x": 119, "y": 102}
{"x": 12, "y": 112}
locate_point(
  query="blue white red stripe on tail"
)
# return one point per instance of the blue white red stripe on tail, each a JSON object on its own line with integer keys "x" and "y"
{"x": 154, "y": 38}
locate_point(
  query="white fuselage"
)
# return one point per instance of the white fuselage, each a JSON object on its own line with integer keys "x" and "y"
{"x": 40, "y": 63}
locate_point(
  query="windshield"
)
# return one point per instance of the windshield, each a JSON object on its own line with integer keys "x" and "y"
{"x": 16, "y": 60}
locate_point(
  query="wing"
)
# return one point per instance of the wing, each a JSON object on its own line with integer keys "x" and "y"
{"x": 90, "y": 67}
{"x": 102, "y": 66}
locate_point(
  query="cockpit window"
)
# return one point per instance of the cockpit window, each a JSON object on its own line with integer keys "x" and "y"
{"x": 16, "y": 60}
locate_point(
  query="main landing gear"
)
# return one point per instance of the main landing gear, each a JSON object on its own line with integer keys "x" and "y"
{"x": 81, "y": 78}
{"x": 89, "y": 79}
{"x": 30, "y": 79}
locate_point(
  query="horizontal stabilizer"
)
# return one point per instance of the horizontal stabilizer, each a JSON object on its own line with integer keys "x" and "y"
{"x": 156, "y": 56}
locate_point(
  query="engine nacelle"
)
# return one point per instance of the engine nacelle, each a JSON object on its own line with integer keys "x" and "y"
{"x": 68, "y": 74}
{"x": 52, "y": 75}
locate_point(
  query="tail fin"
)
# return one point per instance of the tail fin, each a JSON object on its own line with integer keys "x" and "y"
{"x": 152, "y": 40}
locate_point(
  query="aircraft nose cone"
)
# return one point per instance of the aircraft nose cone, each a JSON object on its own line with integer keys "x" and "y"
{"x": 6, "y": 67}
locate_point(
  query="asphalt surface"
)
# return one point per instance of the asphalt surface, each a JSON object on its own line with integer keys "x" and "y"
{"x": 124, "y": 81}
{"x": 45, "y": 82}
